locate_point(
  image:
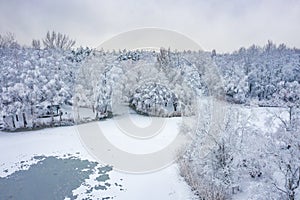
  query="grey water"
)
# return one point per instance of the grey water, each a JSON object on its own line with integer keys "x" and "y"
{"x": 52, "y": 178}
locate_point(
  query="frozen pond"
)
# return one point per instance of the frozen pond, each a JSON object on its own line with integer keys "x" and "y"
{"x": 52, "y": 178}
{"x": 52, "y": 163}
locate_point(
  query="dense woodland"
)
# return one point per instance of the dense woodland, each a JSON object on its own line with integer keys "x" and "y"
{"x": 37, "y": 81}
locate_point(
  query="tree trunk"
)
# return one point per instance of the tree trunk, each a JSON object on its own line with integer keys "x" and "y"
{"x": 13, "y": 121}
{"x": 52, "y": 115}
{"x": 290, "y": 115}
{"x": 60, "y": 116}
{"x": 292, "y": 195}
{"x": 24, "y": 120}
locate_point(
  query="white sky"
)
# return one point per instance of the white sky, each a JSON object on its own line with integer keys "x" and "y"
{"x": 213, "y": 24}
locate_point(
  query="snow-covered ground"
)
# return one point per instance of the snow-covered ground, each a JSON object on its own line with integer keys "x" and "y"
{"x": 18, "y": 149}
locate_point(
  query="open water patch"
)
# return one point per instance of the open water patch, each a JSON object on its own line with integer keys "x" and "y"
{"x": 53, "y": 178}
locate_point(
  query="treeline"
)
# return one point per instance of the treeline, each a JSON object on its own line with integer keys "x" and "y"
{"x": 267, "y": 76}
{"x": 37, "y": 81}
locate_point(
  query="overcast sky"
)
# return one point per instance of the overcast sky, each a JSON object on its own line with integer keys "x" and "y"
{"x": 218, "y": 24}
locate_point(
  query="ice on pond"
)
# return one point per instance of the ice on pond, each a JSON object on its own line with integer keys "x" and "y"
{"x": 53, "y": 178}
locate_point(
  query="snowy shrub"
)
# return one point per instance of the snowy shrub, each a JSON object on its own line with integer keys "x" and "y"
{"x": 213, "y": 163}
{"x": 284, "y": 161}
{"x": 205, "y": 189}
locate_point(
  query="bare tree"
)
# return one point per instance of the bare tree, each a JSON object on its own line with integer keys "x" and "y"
{"x": 55, "y": 40}
{"x": 36, "y": 44}
{"x": 8, "y": 40}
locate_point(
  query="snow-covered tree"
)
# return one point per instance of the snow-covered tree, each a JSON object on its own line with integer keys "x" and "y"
{"x": 58, "y": 40}
{"x": 155, "y": 99}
